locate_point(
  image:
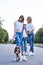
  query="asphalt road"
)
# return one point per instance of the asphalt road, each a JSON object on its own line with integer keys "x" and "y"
{"x": 7, "y": 56}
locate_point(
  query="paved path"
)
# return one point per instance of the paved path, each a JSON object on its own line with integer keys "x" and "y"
{"x": 7, "y": 56}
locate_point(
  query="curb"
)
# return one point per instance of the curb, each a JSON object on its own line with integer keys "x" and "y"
{"x": 39, "y": 46}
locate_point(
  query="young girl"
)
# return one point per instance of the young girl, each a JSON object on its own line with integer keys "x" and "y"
{"x": 18, "y": 32}
{"x": 30, "y": 29}
{"x": 24, "y": 41}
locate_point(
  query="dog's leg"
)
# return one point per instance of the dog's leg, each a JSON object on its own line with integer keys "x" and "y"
{"x": 17, "y": 57}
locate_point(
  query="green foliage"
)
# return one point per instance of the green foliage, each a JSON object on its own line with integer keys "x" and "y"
{"x": 13, "y": 41}
{"x": 1, "y": 22}
{"x": 6, "y": 36}
{"x": 3, "y": 36}
{"x": 39, "y": 36}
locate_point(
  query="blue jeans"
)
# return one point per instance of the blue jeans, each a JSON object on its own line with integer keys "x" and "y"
{"x": 31, "y": 41}
{"x": 19, "y": 39}
{"x": 24, "y": 42}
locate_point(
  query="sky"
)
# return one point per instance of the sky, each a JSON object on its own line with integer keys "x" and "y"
{"x": 10, "y": 10}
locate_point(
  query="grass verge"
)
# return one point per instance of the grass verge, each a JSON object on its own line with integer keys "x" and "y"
{"x": 39, "y": 44}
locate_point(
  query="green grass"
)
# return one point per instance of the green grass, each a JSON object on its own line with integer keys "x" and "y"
{"x": 39, "y": 44}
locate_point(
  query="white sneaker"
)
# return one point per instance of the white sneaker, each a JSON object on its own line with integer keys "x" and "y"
{"x": 30, "y": 53}
{"x": 24, "y": 58}
{"x": 25, "y": 53}
{"x": 33, "y": 53}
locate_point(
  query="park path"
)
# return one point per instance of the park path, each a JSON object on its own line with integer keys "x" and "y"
{"x": 7, "y": 56}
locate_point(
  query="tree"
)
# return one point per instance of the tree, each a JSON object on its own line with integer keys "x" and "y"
{"x": 39, "y": 36}
{"x": 6, "y": 36}
{"x": 3, "y": 35}
{"x": 1, "y": 22}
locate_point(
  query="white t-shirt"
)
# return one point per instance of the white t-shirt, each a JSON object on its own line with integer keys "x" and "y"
{"x": 19, "y": 26}
{"x": 24, "y": 33}
{"x": 29, "y": 27}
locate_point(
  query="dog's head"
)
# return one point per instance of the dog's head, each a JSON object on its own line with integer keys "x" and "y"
{"x": 17, "y": 49}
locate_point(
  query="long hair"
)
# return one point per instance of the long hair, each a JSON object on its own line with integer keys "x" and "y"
{"x": 29, "y": 18}
{"x": 22, "y": 18}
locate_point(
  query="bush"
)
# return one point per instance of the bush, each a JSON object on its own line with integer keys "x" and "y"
{"x": 39, "y": 36}
{"x": 3, "y": 36}
{"x": 6, "y": 36}
{"x": 13, "y": 41}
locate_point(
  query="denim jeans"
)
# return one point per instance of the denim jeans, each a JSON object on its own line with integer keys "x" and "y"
{"x": 31, "y": 41}
{"x": 24, "y": 43}
{"x": 19, "y": 39}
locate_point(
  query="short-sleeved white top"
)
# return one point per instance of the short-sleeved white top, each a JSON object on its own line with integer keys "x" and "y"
{"x": 29, "y": 27}
{"x": 19, "y": 25}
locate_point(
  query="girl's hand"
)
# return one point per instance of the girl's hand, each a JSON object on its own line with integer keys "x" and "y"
{"x": 14, "y": 35}
{"x": 29, "y": 32}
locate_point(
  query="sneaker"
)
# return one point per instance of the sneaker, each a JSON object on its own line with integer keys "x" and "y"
{"x": 33, "y": 53}
{"x": 30, "y": 53}
{"x": 24, "y": 58}
{"x": 25, "y": 53}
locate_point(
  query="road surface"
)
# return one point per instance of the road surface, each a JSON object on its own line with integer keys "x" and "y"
{"x": 7, "y": 56}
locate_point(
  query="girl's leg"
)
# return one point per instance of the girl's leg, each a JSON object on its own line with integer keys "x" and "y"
{"x": 31, "y": 41}
{"x": 21, "y": 45}
{"x": 17, "y": 40}
{"x": 25, "y": 46}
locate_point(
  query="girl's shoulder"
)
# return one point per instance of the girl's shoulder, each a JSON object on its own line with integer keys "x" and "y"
{"x": 16, "y": 22}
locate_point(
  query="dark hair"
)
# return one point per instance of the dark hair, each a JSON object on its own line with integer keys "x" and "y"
{"x": 21, "y": 16}
{"x": 29, "y": 18}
